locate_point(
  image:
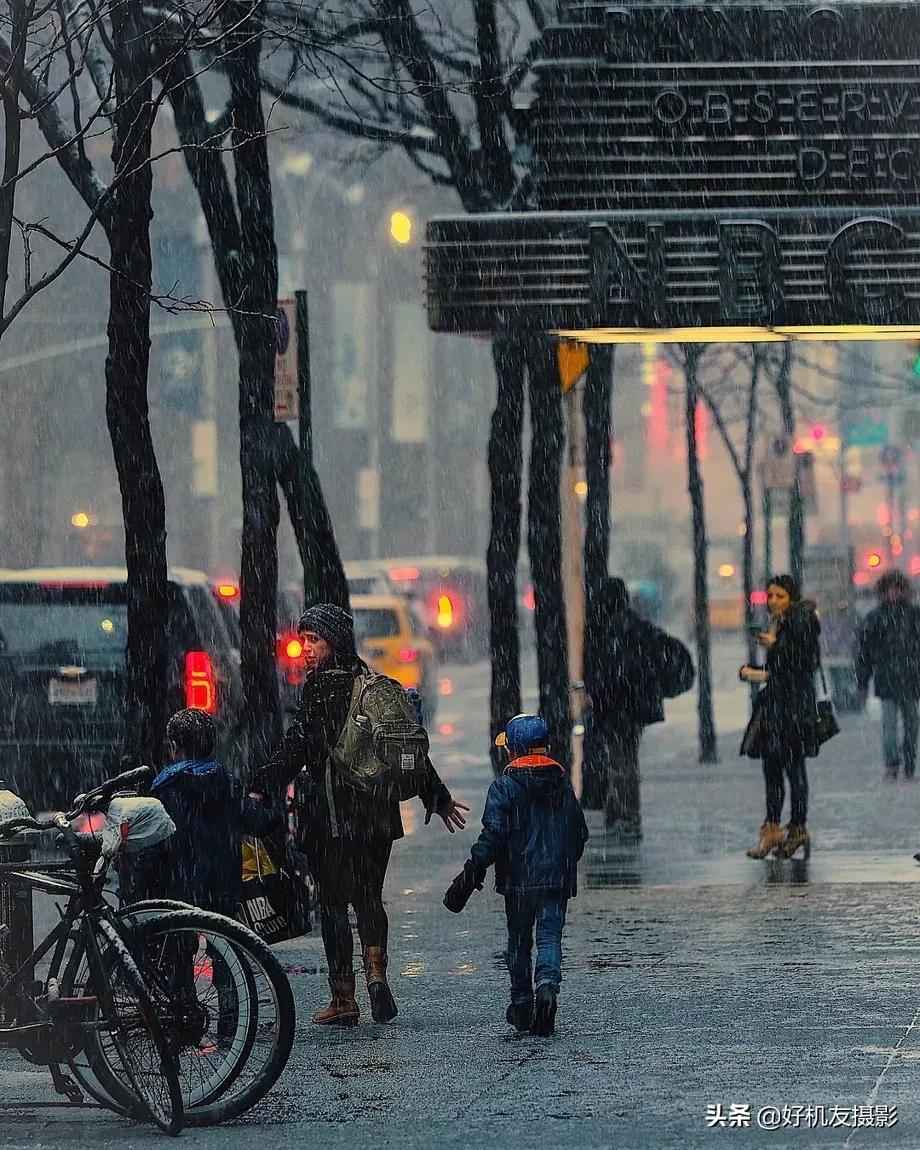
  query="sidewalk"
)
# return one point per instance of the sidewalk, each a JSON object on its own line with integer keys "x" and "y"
{"x": 694, "y": 978}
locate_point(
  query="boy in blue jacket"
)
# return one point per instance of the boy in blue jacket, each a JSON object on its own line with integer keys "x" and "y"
{"x": 534, "y": 830}
{"x": 202, "y": 862}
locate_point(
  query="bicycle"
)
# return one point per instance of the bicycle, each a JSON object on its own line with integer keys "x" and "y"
{"x": 115, "y": 1020}
{"x": 223, "y": 999}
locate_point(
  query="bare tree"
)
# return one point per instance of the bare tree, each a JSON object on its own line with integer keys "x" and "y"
{"x": 445, "y": 87}
{"x": 708, "y": 750}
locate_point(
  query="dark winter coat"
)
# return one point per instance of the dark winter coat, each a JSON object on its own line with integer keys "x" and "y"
{"x": 888, "y": 651}
{"x": 637, "y": 660}
{"x": 533, "y": 829}
{"x": 328, "y": 806}
{"x": 788, "y": 699}
{"x": 202, "y": 862}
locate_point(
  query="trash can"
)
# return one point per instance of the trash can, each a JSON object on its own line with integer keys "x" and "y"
{"x": 15, "y": 907}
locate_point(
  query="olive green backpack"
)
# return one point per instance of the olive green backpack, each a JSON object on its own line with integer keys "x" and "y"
{"x": 382, "y": 748}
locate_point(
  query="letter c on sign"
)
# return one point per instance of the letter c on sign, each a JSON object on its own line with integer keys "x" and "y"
{"x": 862, "y": 302}
{"x": 670, "y": 107}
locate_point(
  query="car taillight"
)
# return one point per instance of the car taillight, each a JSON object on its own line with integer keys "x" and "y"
{"x": 408, "y": 655}
{"x": 200, "y": 688}
{"x": 289, "y": 649}
{"x": 445, "y": 614}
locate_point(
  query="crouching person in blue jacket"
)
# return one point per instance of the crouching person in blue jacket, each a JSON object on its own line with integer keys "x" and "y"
{"x": 201, "y": 863}
{"x": 534, "y": 831}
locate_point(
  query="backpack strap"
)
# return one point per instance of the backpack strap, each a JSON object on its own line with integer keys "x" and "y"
{"x": 357, "y": 691}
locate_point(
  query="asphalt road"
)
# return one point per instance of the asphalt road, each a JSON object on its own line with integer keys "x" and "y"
{"x": 694, "y": 979}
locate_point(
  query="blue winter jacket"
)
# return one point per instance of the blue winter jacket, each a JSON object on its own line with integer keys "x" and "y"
{"x": 202, "y": 862}
{"x": 533, "y": 829}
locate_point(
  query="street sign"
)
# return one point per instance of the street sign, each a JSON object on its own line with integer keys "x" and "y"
{"x": 287, "y": 406}
{"x": 778, "y": 467}
{"x": 850, "y": 485}
{"x": 871, "y": 431}
{"x": 572, "y": 360}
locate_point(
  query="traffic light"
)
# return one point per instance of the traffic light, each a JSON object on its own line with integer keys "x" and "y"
{"x": 818, "y": 432}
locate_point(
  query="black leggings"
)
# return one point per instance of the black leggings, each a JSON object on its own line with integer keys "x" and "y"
{"x": 779, "y": 764}
{"x": 351, "y": 872}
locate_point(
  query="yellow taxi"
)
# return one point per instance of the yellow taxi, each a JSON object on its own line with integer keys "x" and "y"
{"x": 392, "y": 640}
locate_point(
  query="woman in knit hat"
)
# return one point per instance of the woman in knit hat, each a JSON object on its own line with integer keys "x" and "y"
{"x": 347, "y": 835}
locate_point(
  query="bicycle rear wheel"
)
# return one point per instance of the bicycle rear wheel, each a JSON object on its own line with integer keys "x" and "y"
{"x": 226, "y": 1006}
{"x": 130, "y": 1046}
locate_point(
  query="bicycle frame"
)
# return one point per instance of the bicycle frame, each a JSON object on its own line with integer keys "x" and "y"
{"x": 85, "y": 904}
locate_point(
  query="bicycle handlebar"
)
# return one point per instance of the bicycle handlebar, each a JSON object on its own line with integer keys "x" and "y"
{"x": 101, "y": 794}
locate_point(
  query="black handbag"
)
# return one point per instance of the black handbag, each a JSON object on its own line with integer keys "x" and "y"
{"x": 752, "y": 739}
{"x": 824, "y": 725}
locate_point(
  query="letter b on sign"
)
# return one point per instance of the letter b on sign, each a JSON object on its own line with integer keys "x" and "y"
{"x": 750, "y": 275}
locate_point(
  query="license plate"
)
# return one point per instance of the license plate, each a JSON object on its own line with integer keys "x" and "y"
{"x": 72, "y": 693}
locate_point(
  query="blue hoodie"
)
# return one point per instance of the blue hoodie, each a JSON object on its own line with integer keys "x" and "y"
{"x": 202, "y": 862}
{"x": 533, "y": 829}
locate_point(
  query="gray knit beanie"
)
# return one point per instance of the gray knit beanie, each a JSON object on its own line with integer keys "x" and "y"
{"x": 332, "y": 624}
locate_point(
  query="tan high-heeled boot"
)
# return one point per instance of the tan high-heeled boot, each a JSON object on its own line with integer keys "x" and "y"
{"x": 771, "y": 836}
{"x": 343, "y": 1009}
{"x": 796, "y": 837}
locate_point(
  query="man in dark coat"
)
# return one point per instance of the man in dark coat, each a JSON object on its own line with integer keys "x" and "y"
{"x": 534, "y": 831}
{"x": 346, "y": 835}
{"x": 638, "y": 665}
{"x": 888, "y": 651}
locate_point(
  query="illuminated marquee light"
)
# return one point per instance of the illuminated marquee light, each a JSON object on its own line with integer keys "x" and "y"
{"x": 706, "y": 173}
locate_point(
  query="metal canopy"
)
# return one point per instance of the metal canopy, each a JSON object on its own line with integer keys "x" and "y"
{"x": 750, "y": 167}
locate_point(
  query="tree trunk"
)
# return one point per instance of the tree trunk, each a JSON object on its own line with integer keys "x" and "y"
{"x": 544, "y": 541}
{"x": 302, "y": 492}
{"x": 596, "y": 407}
{"x": 143, "y": 505}
{"x": 796, "y": 512}
{"x": 505, "y": 466}
{"x": 705, "y": 720}
{"x": 313, "y": 529}
{"x": 258, "y": 301}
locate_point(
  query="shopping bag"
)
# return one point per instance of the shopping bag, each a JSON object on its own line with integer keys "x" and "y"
{"x": 824, "y": 724}
{"x": 275, "y": 904}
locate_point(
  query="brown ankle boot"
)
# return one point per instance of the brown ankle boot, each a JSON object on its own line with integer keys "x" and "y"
{"x": 343, "y": 1009}
{"x": 383, "y": 1006}
{"x": 797, "y": 837}
{"x": 771, "y": 835}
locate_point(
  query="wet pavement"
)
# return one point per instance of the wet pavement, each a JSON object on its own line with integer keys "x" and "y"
{"x": 694, "y": 978}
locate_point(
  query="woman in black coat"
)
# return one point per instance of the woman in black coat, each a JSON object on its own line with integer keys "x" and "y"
{"x": 346, "y": 835}
{"x": 787, "y": 708}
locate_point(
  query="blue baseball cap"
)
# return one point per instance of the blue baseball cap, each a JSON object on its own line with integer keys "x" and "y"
{"x": 524, "y": 733}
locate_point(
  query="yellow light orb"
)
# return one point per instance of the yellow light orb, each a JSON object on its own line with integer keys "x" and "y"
{"x": 108, "y": 626}
{"x": 401, "y": 228}
{"x": 581, "y": 489}
{"x": 727, "y": 570}
{"x": 80, "y": 519}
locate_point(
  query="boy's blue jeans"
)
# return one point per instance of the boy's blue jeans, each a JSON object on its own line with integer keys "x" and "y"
{"x": 544, "y": 912}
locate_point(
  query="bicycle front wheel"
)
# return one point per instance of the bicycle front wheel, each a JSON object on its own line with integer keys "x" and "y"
{"x": 130, "y": 1045}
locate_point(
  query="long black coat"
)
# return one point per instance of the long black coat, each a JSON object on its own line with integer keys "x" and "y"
{"x": 789, "y": 694}
{"x": 888, "y": 651}
{"x": 329, "y": 807}
{"x": 633, "y": 660}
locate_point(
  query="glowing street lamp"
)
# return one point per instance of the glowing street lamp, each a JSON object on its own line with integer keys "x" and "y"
{"x": 401, "y": 228}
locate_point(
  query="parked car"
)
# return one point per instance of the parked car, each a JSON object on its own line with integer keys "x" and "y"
{"x": 393, "y": 643}
{"x": 62, "y": 669}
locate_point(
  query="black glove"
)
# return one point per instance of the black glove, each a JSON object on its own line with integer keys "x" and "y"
{"x": 461, "y": 889}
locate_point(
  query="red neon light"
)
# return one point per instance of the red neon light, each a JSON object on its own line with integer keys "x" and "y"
{"x": 408, "y": 655}
{"x": 758, "y": 598}
{"x": 404, "y": 574}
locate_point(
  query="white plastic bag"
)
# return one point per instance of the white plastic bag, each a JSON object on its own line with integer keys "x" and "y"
{"x": 133, "y": 824}
{"x": 12, "y": 807}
